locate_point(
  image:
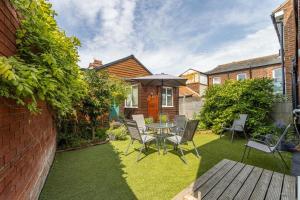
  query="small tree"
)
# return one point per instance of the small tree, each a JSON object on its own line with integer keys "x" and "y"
{"x": 103, "y": 91}
{"x": 223, "y": 103}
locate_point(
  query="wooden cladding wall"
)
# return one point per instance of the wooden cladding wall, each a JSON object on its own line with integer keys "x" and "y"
{"x": 127, "y": 69}
{"x": 8, "y": 25}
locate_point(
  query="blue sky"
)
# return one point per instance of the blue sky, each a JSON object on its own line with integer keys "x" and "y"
{"x": 170, "y": 35}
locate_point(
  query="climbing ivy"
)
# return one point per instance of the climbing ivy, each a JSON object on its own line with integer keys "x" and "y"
{"x": 45, "y": 66}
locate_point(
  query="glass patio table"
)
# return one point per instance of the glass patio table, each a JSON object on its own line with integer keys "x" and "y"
{"x": 160, "y": 127}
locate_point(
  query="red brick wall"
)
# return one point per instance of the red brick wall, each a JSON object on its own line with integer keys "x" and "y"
{"x": 8, "y": 25}
{"x": 194, "y": 86}
{"x": 27, "y": 148}
{"x": 258, "y": 72}
{"x": 289, "y": 43}
{"x": 144, "y": 92}
{"x": 27, "y": 142}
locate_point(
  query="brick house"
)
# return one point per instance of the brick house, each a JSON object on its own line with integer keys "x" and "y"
{"x": 266, "y": 66}
{"x": 285, "y": 19}
{"x": 142, "y": 99}
{"x": 196, "y": 80}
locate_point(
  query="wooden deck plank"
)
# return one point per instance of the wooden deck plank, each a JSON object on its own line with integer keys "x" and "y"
{"x": 249, "y": 185}
{"x": 223, "y": 184}
{"x": 262, "y": 186}
{"x": 289, "y": 188}
{"x": 204, "y": 178}
{"x": 275, "y": 187}
{"x": 236, "y": 184}
{"x": 201, "y": 180}
{"x": 205, "y": 188}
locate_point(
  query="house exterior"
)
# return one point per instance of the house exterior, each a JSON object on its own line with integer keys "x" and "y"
{"x": 196, "y": 80}
{"x": 266, "y": 66}
{"x": 142, "y": 99}
{"x": 285, "y": 20}
{"x": 190, "y": 96}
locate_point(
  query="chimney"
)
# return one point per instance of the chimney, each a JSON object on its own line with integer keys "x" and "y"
{"x": 96, "y": 63}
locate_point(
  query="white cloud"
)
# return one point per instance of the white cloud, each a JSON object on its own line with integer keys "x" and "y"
{"x": 166, "y": 38}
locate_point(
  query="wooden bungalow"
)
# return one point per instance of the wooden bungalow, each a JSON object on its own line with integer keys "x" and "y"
{"x": 142, "y": 99}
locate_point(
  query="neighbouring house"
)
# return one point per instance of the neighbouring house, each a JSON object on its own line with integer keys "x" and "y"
{"x": 190, "y": 96}
{"x": 142, "y": 99}
{"x": 190, "y": 102}
{"x": 285, "y": 22}
{"x": 266, "y": 66}
{"x": 196, "y": 80}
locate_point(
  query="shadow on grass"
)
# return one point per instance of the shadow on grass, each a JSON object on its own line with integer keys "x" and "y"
{"x": 87, "y": 174}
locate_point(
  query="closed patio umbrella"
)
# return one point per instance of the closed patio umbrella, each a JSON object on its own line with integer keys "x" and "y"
{"x": 161, "y": 80}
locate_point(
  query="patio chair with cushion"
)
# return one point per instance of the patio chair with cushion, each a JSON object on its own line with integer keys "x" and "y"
{"x": 188, "y": 135}
{"x": 135, "y": 135}
{"x": 237, "y": 126}
{"x": 180, "y": 122}
{"x": 140, "y": 120}
{"x": 267, "y": 146}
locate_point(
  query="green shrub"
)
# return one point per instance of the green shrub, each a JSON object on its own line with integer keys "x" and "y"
{"x": 149, "y": 120}
{"x": 223, "y": 103}
{"x": 118, "y": 133}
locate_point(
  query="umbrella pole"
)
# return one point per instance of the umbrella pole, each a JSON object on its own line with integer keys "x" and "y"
{"x": 161, "y": 91}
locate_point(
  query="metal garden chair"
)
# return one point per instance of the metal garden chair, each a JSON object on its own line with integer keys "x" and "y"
{"x": 267, "y": 146}
{"x": 135, "y": 135}
{"x": 238, "y": 126}
{"x": 180, "y": 122}
{"x": 188, "y": 135}
{"x": 140, "y": 120}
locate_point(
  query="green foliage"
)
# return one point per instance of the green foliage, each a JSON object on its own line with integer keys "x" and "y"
{"x": 103, "y": 91}
{"x": 119, "y": 133}
{"x": 223, "y": 103}
{"x": 45, "y": 66}
{"x": 148, "y": 120}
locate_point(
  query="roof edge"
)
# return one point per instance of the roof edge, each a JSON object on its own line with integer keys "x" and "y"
{"x": 121, "y": 60}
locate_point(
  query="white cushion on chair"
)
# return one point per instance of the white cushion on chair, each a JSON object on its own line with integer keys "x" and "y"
{"x": 175, "y": 139}
{"x": 147, "y": 138}
{"x": 260, "y": 146}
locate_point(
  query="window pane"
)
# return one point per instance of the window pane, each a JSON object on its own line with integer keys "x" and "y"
{"x": 241, "y": 77}
{"x": 277, "y": 76}
{"x": 216, "y": 80}
{"x": 128, "y": 100}
{"x": 135, "y": 96}
{"x": 169, "y": 101}
{"x": 164, "y": 99}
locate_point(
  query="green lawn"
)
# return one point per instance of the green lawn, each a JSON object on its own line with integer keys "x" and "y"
{"x": 103, "y": 172}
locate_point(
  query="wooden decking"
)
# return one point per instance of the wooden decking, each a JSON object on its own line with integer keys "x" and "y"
{"x": 234, "y": 180}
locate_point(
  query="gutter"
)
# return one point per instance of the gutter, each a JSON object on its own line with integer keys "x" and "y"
{"x": 280, "y": 38}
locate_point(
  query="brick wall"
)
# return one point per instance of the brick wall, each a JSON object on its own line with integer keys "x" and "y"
{"x": 8, "y": 25}
{"x": 144, "y": 92}
{"x": 27, "y": 148}
{"x": 258, "y": 72}
{"x": 27, "y": 142}
{"x": 289, "y": 43}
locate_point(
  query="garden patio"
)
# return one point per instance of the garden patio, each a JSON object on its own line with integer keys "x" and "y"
{"x": 104, "y": 172}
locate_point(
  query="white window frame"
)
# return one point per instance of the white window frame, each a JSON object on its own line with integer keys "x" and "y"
{"x": 237, "y": 76}
{"x": 273, "y": 76}
{"x": 131, "y": 97}
{"x": 216, "y": 82}
{"x": 168, "y": 106}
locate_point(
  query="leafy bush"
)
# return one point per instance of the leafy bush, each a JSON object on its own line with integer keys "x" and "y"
{"x": 45, "y": 66}
{"x": 148, "y": 120}
{"x": 118, "y": 133}
{"x": 223, "y": 103}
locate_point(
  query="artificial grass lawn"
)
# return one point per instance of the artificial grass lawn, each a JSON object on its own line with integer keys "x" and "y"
{"x": 104, "y": 172}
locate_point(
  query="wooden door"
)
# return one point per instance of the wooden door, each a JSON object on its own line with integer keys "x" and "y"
{"x": 153, "y": 107}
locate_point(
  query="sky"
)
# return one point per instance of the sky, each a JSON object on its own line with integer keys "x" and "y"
{"x": 170, "y": 36}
